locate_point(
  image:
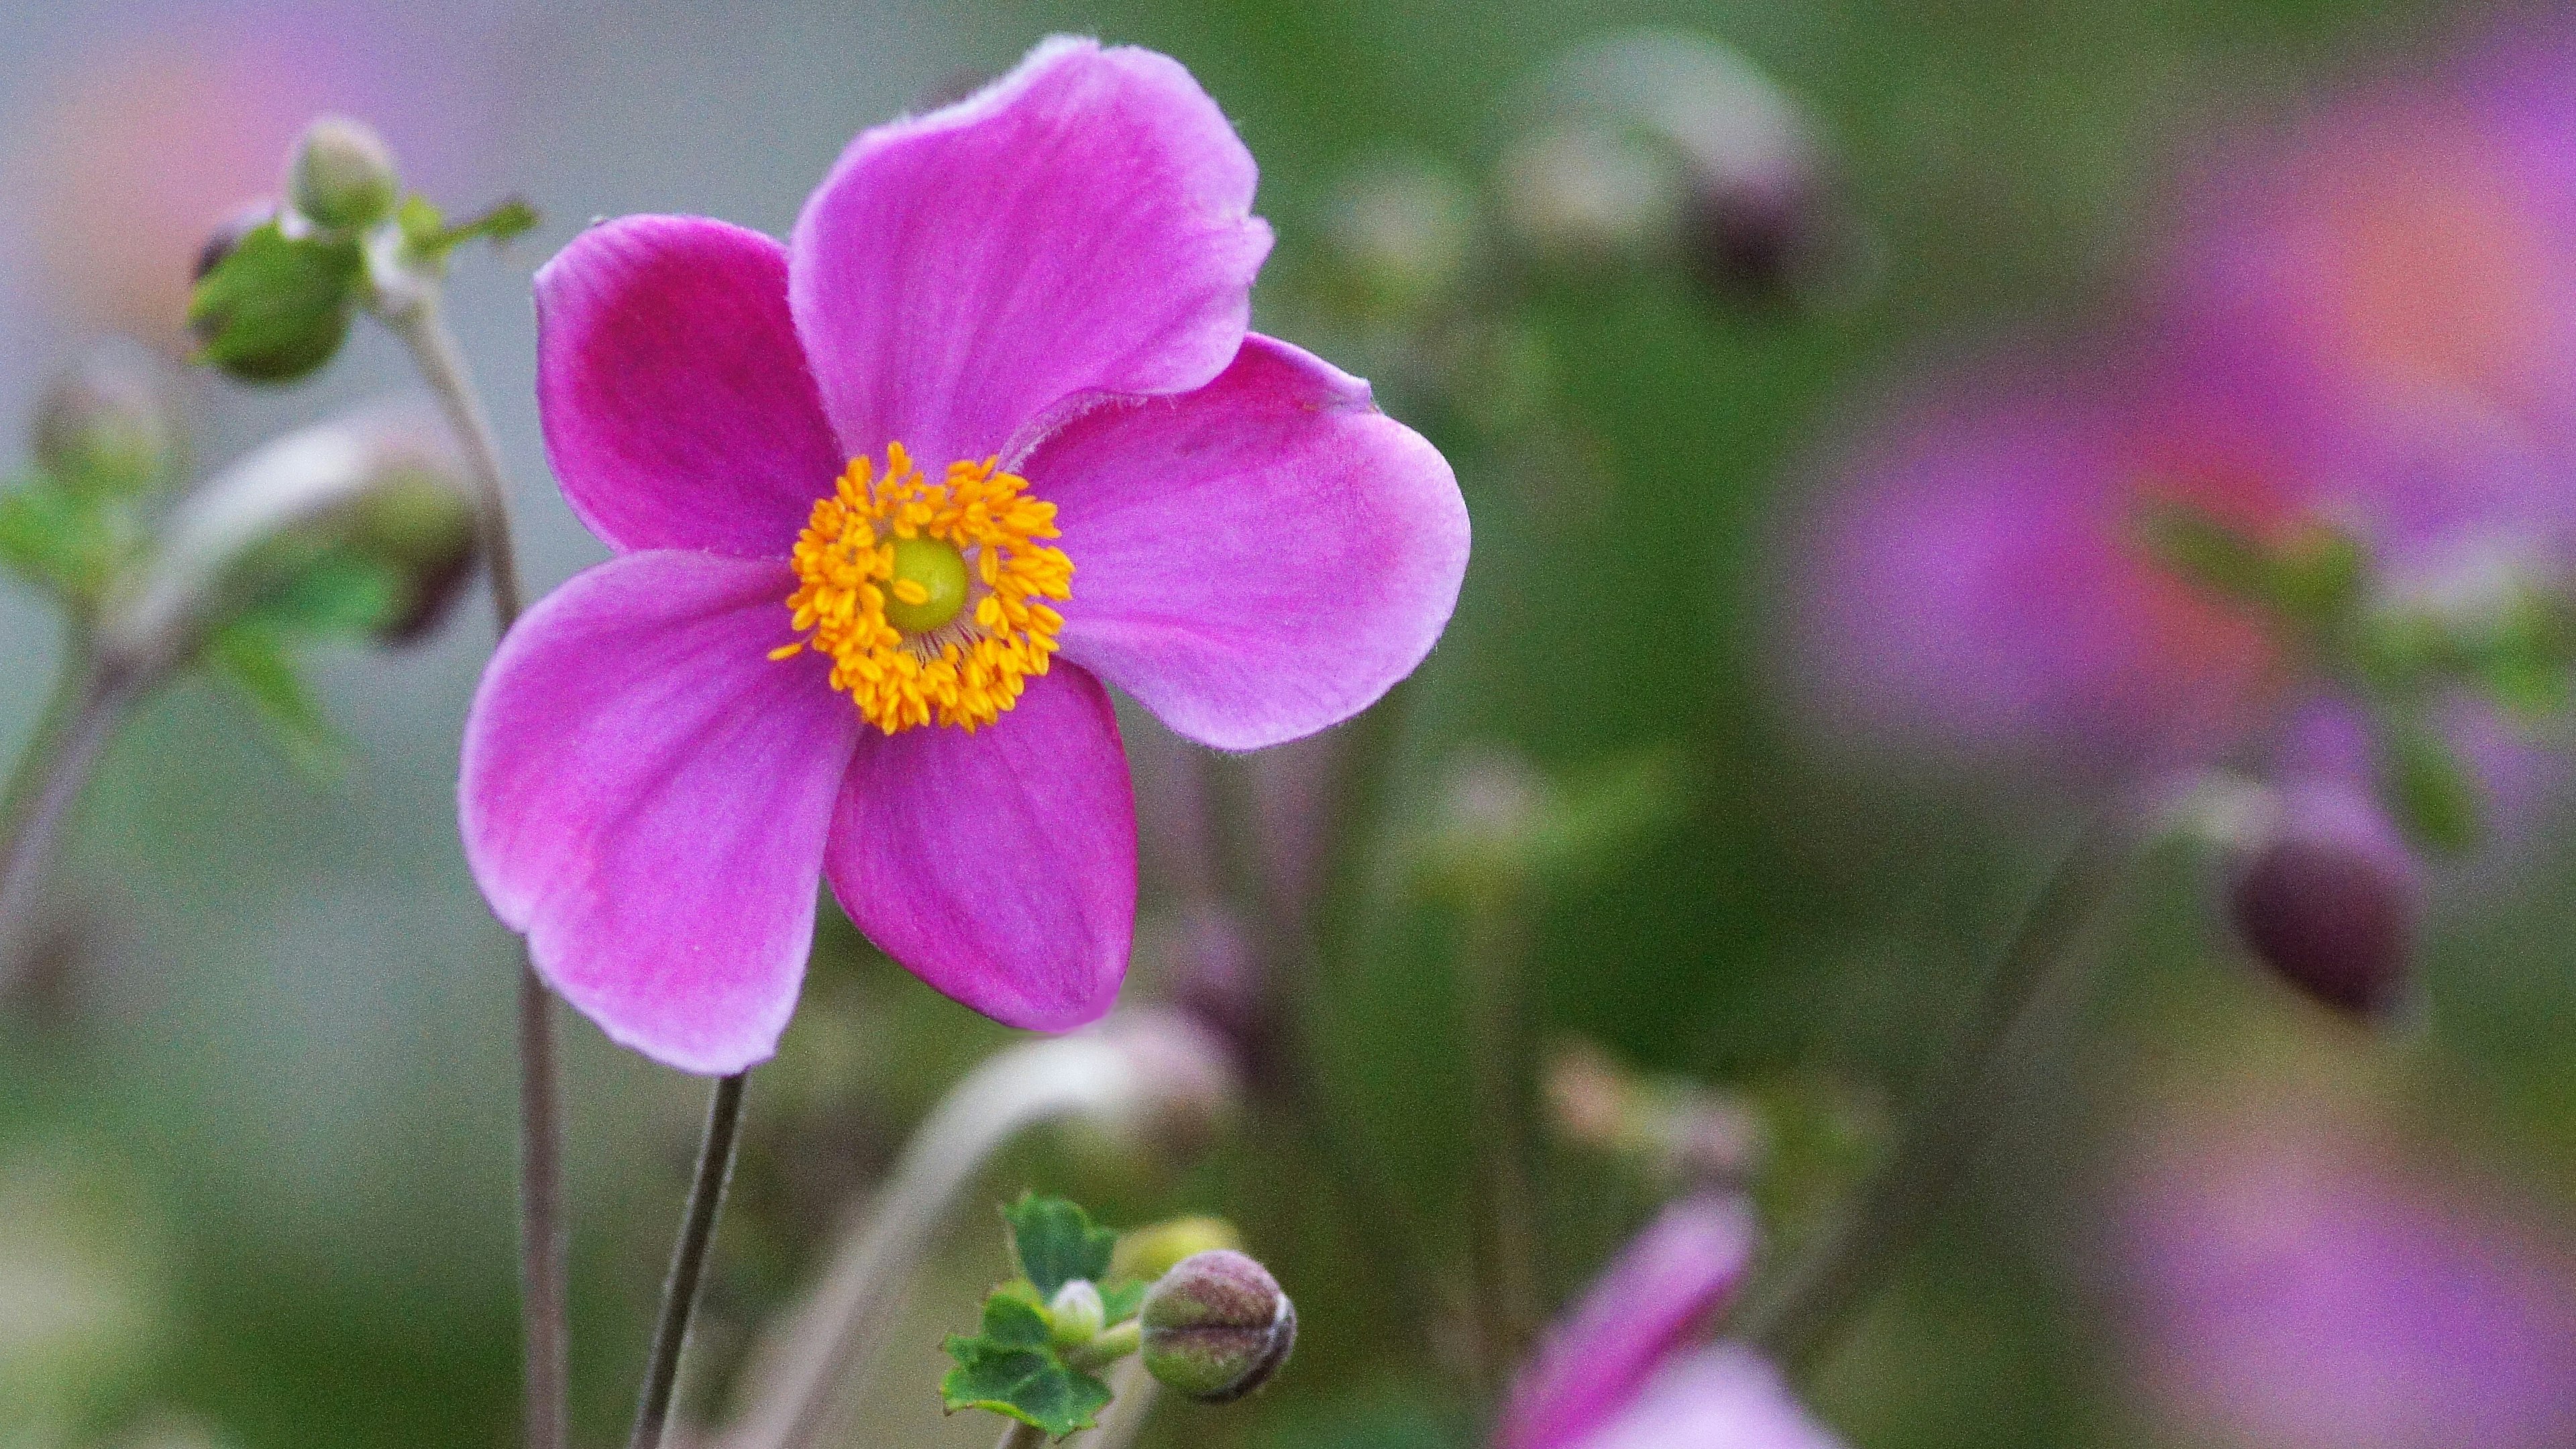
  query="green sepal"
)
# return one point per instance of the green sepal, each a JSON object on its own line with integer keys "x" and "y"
{"x": 1010, "y": 1368}
{"x": 1055, "y": 1242}
{"x": 276, "y": 308}
{"x": 252, "y": 656}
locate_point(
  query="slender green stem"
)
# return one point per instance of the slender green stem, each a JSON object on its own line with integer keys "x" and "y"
{"x": 1491, "y": 964}
{"x": 442, "y": 365}
{"x": 86, "y": 708}
{"x": 1022, "y": 1436}
{"x": 1854, "y": 1258}
{"x": 544, "y": 1310}
{"x": 689, "y": 1260}
{"x": 1115, "y": 1342}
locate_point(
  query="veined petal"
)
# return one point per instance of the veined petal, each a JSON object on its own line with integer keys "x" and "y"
{"x": 1258, "y": 559}
{"x": 677, "y": 408}
{"x": 1660, "y": 1288}
{"x": 646, "y": 794}
{"x": 1081, "y": 225}
{"x": 1720, "y": 1397}
{"x": 1000, "y": 866}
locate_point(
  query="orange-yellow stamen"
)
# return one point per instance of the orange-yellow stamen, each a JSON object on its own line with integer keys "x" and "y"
{"x": 886, "y": 550}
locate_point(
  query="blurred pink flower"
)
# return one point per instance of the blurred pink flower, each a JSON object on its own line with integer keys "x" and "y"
{"x": 149, "y": 137}
{"x": 2292, "y": 1283}
{"x": 1621, "y": 1372}
{"x": 2368, "y": 324}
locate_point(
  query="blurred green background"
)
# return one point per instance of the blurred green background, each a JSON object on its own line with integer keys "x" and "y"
{"x": 255, "y": 1117}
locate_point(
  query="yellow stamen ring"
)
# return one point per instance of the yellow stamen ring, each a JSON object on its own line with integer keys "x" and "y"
{"x": 927, "y": 596}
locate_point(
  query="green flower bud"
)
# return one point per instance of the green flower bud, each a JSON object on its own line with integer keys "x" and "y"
{"x": 1076, "y": 1314}
{"x": 419, "y": 521}
{"x": 1216, "y": 1327}
{"x": 386, "y": 494}
{"x": 1148, "y": 1253}
{"x": 341, "y": 177}
{"x": 227, "y": 236}
{"x": 103, "y": 431}
{"x": 274, "y": 299}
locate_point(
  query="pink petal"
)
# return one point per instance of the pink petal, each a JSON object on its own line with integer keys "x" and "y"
{"x": 646, "y": 795}
{"x": 1258, "y": 559}
{"x": 1721, "y": 1397}
{"x": 1081, "y": 225}
{"x": 1000, "y": 867}
{"x": 1662, "y": 1286}
{"x": 677, "y": 409}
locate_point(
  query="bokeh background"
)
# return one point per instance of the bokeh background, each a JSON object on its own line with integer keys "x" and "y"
{"x": 256, "y": 1154}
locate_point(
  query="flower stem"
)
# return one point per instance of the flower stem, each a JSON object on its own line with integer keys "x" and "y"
{"x": 1854, "y": 1258}
{"x": 689, "y": 1259}
{"x": 442, "y": 365}
{"x": 1132, "y": 1393}
{"x": 80, "y": 716}
{"x": 543, "y": 1294}
{"x": 1490, "y": 966}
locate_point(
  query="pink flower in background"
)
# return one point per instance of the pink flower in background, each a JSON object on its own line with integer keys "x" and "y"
{"x": 2368, "y": 328}
{"x": 891, "y": 503}
{"x": 2292, "y": 1284}
{"x": 1622, "y": 1372}
{"x": 154, "y": 134}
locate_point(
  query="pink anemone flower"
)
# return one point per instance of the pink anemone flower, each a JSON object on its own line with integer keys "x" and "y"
{"x": 890, "y": 503}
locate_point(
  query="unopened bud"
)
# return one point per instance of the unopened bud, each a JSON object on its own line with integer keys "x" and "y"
{"x": 1181, "y": 1086}
{"x": 103, "y": 430}
{"x": 227, "y": 236}
{"x": 1077, "y": 1313}
{"x": 420, "y": 523}
{"x": 1657, "y": 143}
{"x": 385, "y": 489}
{"x": 1400, "y": 231}
{"x": 2329, "y": 896}
{"x": 1150, "y": 1252}
{"x": 341, "y": 177}
{"x": 1216, "y": 1327}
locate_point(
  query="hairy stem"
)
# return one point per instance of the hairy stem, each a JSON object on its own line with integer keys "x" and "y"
{"x": 1854, "y": 1258}
{"x": 689, "y": 1260}
{"x": 543, "y": 1293}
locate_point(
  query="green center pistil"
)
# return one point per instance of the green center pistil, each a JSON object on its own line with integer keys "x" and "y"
{"x": 929, "y": 585}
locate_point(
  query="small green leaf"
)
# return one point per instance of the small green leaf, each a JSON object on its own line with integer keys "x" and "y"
{"x": 277, "y": 307}
{"x": 338, "y": 593}
{"x": 58, "y": 539}
{"x": 1119, "y": 1301}
{"x": 1009, "y": 1368}
{"x": 252, "y": 657}
{"x": 1056, "y": 1242}
{"x": 2431, "y": 789}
